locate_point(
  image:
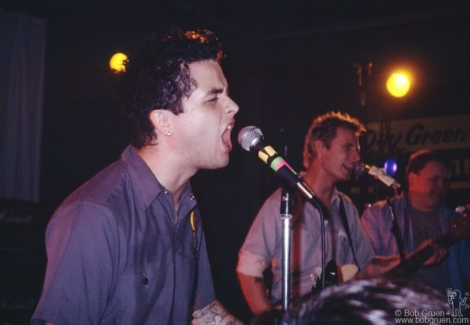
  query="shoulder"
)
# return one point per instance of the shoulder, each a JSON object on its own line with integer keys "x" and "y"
{"x": 375, "y": 213}
{"x": 275, "y": 196}
{"x": 348, "y": 203}
{"x": 346, "y": 199}
{"x": 379, "y": 205}
{"x": 99, "y": 200}
{"x": 102, "y": 186}
{"x": 273, "y": 201}
{"x": 398, "y": 202}
{"x": 269, "y": 211}
{"x": 445, "y": 209}
{"x": 82, "y": 217}
{"x": 79, "y": 227}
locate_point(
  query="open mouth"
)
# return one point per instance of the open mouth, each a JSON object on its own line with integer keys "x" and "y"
{"x": 349, "y": 168}
{"x": 226, "y": 137}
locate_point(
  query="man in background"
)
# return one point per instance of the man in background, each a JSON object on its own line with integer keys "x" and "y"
{"x": 330, "y": 153}
{"x": 421, "y": 214}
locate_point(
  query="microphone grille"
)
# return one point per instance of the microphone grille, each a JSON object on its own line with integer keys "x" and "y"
{"x": 359, "y": 168}
{"x": 248, "y": 135}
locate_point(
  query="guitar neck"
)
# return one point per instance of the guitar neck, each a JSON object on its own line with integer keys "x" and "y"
{"x": 416, "y": 261}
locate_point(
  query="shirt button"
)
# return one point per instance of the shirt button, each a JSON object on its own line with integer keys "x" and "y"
{"x": 193, "y": 197}
{"x": 165, "y": 192}
{"x": 145, "y": 281}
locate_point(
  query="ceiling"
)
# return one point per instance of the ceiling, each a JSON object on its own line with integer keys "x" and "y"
{"x": 330, "y": 36}
{"x": 267, "y": 19}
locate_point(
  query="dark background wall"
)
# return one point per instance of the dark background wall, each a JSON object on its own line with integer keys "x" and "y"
{"x": 288, "y": 61}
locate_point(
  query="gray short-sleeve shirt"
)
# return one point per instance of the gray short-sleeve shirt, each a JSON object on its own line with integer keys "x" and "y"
{"x": 118, "y": 254}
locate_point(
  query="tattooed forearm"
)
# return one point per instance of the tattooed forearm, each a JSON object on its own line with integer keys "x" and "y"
{"x": 214, "y": 314}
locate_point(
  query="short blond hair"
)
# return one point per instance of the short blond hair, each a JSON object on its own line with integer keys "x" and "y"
{"x": 324, "y": 128}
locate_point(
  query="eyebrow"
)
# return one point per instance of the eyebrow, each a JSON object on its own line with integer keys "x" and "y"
{"x": 215, "y": 91}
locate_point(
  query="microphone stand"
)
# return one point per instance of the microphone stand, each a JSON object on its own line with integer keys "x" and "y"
{"x": 396, "y": 229}
{"x": 286, "y": 217}
{"x": 293, "y": 181}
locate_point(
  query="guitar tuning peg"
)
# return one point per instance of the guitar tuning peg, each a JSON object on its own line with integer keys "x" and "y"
{"x": 463, "y": 210}
{"x": 460, "y": 209}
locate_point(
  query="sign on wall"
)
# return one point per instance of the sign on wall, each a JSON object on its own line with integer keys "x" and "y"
{"x": 437, "y": 133}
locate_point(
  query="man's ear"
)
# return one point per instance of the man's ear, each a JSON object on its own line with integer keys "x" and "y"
{"x": 412, "y": 179}
{"x": 160, "y": 120}
{"x": 319, "y": 147}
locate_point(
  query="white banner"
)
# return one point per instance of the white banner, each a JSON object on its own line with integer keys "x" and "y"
{"x": 438, "y": 133}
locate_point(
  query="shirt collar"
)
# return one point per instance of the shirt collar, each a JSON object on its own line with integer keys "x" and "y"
{"x": 142, "y": 178}
{"x": 147, "y": 185}
{"x": 335, "y": 195}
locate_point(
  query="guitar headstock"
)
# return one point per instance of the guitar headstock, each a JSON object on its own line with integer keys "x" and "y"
{"x": 460, "y": 228}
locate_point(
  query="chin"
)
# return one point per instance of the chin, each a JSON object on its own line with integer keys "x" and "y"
{"x": 220, "y": 163}
{"x": 345, "y": 177}
{"x": 225, "y": 163}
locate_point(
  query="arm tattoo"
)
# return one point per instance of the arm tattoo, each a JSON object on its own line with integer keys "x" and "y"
{"x": 214, "y": 314}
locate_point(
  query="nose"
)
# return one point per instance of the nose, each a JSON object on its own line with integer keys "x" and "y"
{"x": 232, "y": 107}
{"x": 355, "y": 155}
{"x": 442, "y": 183}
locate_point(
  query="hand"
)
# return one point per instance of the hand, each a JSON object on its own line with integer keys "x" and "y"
{"x": 439, "y": 254}
{"x": 378, "y": 266}
{"x": 214, "y": 313}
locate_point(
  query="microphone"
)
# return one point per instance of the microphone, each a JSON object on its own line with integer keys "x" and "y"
{"x": 251, "y": 139}
{"x": 378, "y": 173}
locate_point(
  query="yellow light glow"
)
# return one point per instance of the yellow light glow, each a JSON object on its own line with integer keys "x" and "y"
{"x": 398, "y": 84}
{"x": 116, "y": 62}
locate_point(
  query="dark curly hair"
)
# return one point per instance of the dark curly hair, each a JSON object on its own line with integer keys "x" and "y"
{"x": 156, "y": 76}
{"x": 324, "y": 128}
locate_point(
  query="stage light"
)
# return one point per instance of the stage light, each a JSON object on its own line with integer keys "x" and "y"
{"x": 398, "y": 84}
{"x": 116, "y": 62}
{"x": 390, "y": 166}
